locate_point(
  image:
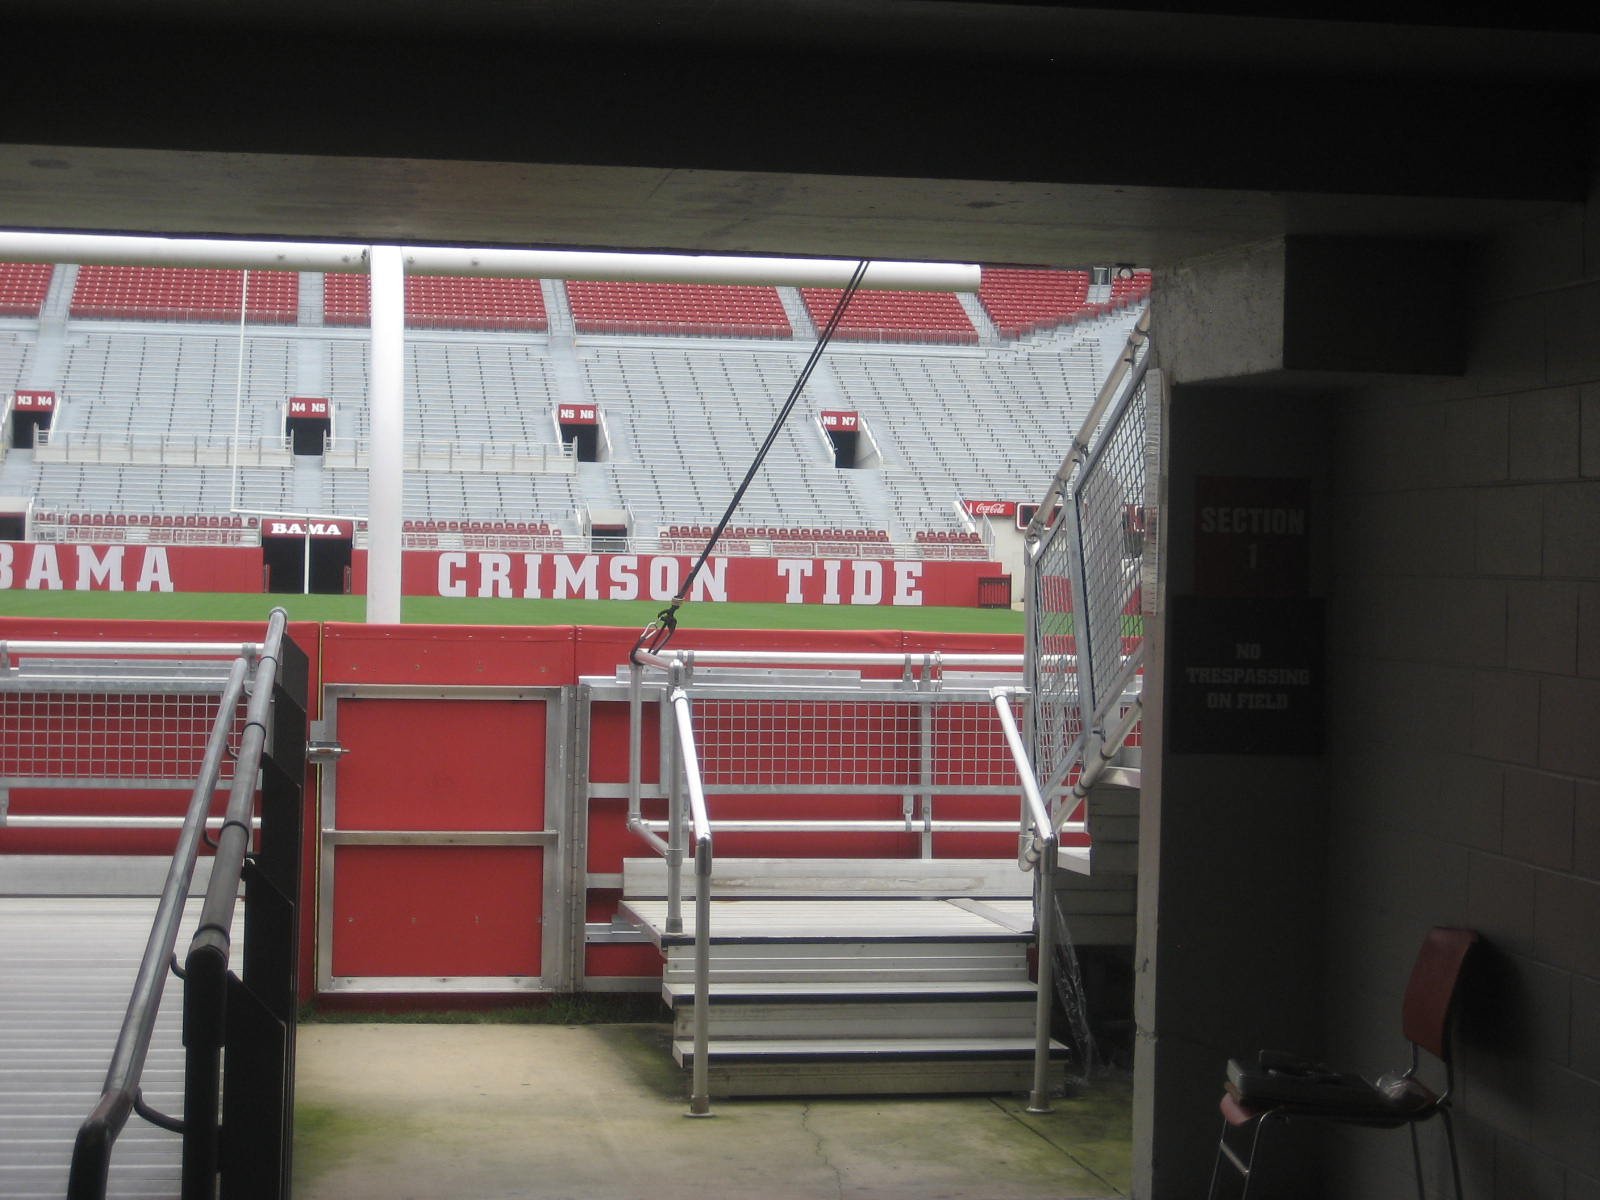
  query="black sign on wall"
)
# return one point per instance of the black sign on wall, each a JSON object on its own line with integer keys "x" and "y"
{"x": 1251, "y": 536}
{"x": 1247, "y": 676}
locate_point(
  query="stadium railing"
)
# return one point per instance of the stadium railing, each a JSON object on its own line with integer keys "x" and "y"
{"x": 238, "y": 1025}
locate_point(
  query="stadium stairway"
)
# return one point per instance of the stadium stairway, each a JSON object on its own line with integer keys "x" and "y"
{"x": 852, "y": 976}
{"x": 72, "y": 931}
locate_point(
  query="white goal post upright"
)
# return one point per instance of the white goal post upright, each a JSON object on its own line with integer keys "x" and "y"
{"x": 389, "y": 265}
{"x": 386, "y": 401}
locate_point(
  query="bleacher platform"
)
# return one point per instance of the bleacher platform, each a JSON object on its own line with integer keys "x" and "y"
{"x": 893, "y": 316}
{"x": 143, "y": 435}
{"x": 23, "y": 287}
{"x": 184, "y": 294}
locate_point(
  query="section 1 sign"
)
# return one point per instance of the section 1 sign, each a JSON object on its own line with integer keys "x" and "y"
{"x": 1251, "y": 536}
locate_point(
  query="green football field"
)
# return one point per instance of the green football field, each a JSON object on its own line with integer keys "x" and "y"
{"x": 211, "y": 606}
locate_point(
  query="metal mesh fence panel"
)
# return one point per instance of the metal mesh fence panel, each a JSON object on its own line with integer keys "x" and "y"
{"x": 862, "y": 746}
{"x": 1055, "y": 694}
{"x": 1110, "y": 498}
{"x": 1079, "y": 643}
{"x": 106, "y": 739}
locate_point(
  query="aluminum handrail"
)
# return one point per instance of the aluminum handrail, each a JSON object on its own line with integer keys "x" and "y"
{"x": 206, "y": 965}
{"x": 20, "y": 647}
{"x": 913, "y": 658}
{"x": 700, "y": 820}
{"x": 1038, "y": 811}
{"x": 91, "y": 1155}
{"x": 1043, "y": 863}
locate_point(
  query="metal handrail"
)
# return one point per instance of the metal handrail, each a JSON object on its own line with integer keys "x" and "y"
{"x": 910, "y": 659}
{"x": 1041, "y": 856}
{"x": 15, "y": 647}
{"x": 91, "y": 1156}
{"x": 206, "y": 965}
{"x": 700, "y": 822}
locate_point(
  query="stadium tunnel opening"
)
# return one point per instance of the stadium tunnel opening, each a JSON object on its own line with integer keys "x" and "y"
{"x": 25, "y": 427}
{"x": 306, "y": 564}
{"x": 308, "y": 423}
{"x": 579, "y": 426}
{"x": 308, "y": 435}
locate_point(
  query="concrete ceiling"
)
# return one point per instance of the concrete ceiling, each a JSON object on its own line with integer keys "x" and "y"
{"x": 895, "y": 128}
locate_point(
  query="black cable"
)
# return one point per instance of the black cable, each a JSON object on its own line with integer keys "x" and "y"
{"x": 659, "y": 632}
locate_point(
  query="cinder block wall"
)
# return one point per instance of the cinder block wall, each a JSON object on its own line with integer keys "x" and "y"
{"x": 1465, "y": 722}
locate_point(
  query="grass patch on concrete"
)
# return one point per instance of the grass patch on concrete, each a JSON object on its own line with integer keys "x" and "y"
{"x": 324, "y": 1137}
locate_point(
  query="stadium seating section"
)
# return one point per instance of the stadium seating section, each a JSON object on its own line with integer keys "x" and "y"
{"x": 143, "y": 438}
{"x": 1129, "y": 287}
{"x": 893, "y": 316}
{"x": 1022, "y": 300}
{"x": 23, "y": 287}
{"x": 184, "y": 294}
{"x": 443, "y": 302}
{"x": 676, "y": 308}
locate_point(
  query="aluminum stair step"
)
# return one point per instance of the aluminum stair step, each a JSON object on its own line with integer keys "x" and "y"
{"x": 861, "y": 1066}
{"x": 931, "y": 986}
{"x": 779, "y": 922}
{"x": 681, "y": 993}
{"x": 864, "y": 1018}
{"x": 820, "y": 1011}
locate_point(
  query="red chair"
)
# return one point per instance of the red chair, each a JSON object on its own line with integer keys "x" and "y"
{"x": 1281, "y": 1089}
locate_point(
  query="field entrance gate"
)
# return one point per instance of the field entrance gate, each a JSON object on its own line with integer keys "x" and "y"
{"x": 440, "y": 840}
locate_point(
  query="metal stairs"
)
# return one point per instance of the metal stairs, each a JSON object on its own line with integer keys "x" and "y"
{"x": 835, "y": 977}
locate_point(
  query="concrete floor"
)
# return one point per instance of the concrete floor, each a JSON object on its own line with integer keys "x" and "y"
{"x": 596, "y": 1112}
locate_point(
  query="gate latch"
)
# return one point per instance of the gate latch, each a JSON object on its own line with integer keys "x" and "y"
{"x": 321, "y": 748}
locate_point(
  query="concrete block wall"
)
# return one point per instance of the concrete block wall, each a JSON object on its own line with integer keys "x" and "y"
{"x": 1464, "y": 729}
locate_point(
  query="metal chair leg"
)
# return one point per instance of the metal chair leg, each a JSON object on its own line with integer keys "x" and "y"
{"x": 1450, "y": 1137}
{"x": 1416, "y": 1160}
{"x": 1216, "y": 1166}
{"x": 1245, "y": 1166}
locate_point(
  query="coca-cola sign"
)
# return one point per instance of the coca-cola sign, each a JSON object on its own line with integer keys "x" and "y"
{"x": 991, "y": 508}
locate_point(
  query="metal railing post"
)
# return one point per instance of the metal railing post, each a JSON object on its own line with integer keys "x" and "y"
{"x": 1044, "y": 851}
{"x": 700, "y": 1090}
{"x": 1045, "y": 906}
{"x": 700, "y": 1093}
{"x": 675, "y": 825}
